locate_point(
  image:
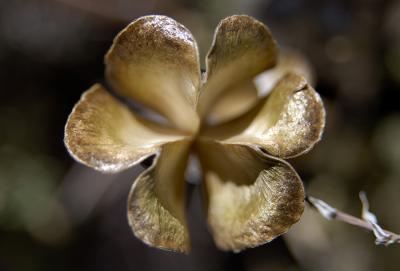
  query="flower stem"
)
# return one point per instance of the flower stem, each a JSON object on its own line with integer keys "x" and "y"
{"x": 368, "y": 220}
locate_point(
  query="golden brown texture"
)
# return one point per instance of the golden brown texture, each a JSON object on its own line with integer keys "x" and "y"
{"x": 242, "y": 48}
{"x": 156, "y": 202}
{"x": 252, "y": 197}
{"x": 104, "y": 134}
{"x": 289, "y": 123}
{"x": 154, "y": 60}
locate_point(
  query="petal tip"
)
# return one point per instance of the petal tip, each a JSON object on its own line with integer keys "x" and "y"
{"x": 156, "y": 59}
{"x": 155, "y": 214}
{"x": 292, "y": 120}
{"x": 253, "y": 197}
{"x": 153, "y": 224}
{"x": 104, "y": 134}
{"x": 317, "y": 115}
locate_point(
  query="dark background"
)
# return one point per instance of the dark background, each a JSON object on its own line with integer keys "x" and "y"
{"x": 58, "y": 215}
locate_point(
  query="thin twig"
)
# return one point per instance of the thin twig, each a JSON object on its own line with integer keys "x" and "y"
{"x": 368, "y": 221}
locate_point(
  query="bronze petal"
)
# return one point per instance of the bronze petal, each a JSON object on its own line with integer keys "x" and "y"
{"x": 234, "y": 103}
{"x": 286, "y": 124}
{"x": 252, "y": 197}
{"x": 242, "y": 48}
{"x": 104, "y": 134}
{"x": 156, "y": 204}
{"x": 154, "y": 60}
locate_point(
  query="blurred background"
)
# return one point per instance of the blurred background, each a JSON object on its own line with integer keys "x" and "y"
{"x": 58, "y": 215}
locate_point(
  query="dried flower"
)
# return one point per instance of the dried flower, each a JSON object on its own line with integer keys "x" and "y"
{"x": 252, "y": 194}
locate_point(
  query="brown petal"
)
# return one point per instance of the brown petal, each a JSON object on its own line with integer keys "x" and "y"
{"x": 242, "y": 48}
{"x": 156, "y": 202}
{"x": 234, "y": 103}
{"x": 154, "y": 60}
{"x": 289, "y": 123}
{"x": 252, "y": 197}
{"x": 289, "y": 61}
{"x": 104, "y": 134}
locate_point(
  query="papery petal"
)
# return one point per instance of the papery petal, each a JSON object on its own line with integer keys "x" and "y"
{"x": 240, "y": 99}
{"x": 156, "y": 204}
{"x": 252, "y": 197}
{"x": 104, "y": 134}
{"x": 288, "y": 123}
{"x": 234, "y": 103}
{"x": 154, "y": 60}
{"x": 242, "y": 48}
{"x": 289, "y": 61}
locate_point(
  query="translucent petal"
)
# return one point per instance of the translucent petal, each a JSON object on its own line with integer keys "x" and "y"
{"x": 241, "y": 98}
{"x": 289, "y": 61}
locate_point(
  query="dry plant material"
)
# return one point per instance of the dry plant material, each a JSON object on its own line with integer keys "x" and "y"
{"x": 252, "y": 194}
{"x": 368, "y": 220}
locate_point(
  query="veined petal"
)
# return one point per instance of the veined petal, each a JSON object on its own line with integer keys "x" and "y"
{"x": 288, "y": 123}
{"x": 104, "y": 134}
{"x": 242, "y": 48}
{"x": 234, "y": 103}
{"x": 156, "y": 204}
{"x": 252, "y": 197}
{"x": 289, "y": 61}
{"x": 154, "y": 60}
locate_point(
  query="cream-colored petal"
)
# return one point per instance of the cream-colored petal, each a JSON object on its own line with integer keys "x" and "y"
{"x": 242, "y": 48}
{"x": 234, "y": 103}
{"x": 252, "y": 197}
{"x": 154, "y": 60}
{"x": 289, "y": 60}
{"x": 156, "y": 204}
{"x": 104, "y": 134}
{"x": 289, "y": 123}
